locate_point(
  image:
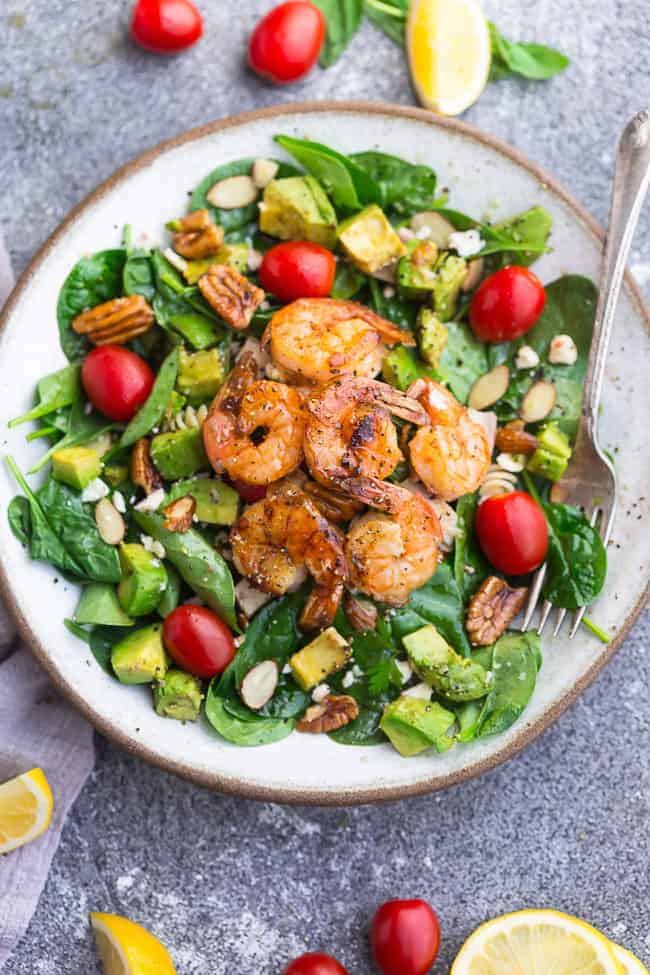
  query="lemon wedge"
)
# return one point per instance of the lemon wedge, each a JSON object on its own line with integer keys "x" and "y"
{"x": 126, "y": 948}
{"x": 536, "y": 942}
{"x": 449, "y": 51}
{"x": 630, "y": 963}
{"x": 25, "y": 809}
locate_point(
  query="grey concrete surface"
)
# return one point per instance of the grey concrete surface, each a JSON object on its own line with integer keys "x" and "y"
{"x": 232, "y": 885}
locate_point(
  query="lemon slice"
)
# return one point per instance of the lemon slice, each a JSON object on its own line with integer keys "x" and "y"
{"x": 631, "y": 964}
{"x": 126, "y": 948}
{"x": 536, "y": 942}
{"x": 448, "y": 43}
{"x": 25, "y": 809}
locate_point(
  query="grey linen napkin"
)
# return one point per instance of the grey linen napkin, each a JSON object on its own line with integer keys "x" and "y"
{"x": 37, "y": 728}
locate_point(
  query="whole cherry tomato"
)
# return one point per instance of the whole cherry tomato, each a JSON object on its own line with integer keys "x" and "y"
{"x": 507, "y": 304}
{"x": 198, "y": 640}
{"x": 116, "y": 380}
{"x": 248, "y": 492}
{"x": 166, "y": 26}
{"x": 512, "y": 531}
{"x": 298, "y": 269}
{"x": 314, "y": 963}
{"x": 286, "y": 43}
{"x": 405, "y": 937}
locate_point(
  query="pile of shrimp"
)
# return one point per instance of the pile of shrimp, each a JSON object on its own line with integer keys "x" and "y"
{"x": 321, "y": 439}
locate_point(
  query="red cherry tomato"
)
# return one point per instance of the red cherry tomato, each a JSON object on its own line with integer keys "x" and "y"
{"x": 248, "y": 492}
{"x": 116, "y": 380}
{"x": 298, "y": 269}
{"x": 314, "y": 963}
{"x": 286, "y": 43}
{"x": 198, "y": 640}
{"x": 166, "y": 26}
{"x": 405, "y": 937}
{"x": 507, "y": 304}
{"x": 512, "y": 531}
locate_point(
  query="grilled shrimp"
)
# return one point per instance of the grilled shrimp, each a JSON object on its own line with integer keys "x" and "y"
{"x": 390, "y": 555}
{"x": 254, "y": 430}
{"x": 278, "y": 541}
{"x": 317, "y": 339}
{"x": 451, "y": 455}
{"x": 350, "y": 439}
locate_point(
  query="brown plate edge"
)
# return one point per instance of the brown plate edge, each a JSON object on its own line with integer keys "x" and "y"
{"x": 245, "y": 790}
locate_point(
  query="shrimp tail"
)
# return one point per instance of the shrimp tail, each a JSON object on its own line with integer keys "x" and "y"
{"x": 320, "y": 609}
{"x": 375, "y": 493}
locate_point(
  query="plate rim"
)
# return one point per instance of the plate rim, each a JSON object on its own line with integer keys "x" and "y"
{"x": 297, "y": 795}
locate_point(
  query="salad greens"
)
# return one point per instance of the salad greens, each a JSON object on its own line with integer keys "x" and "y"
{"x": 422, "y": 647}
{"x": 343, "y": 18}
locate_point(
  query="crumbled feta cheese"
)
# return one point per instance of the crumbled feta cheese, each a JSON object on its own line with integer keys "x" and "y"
{"x": 254, "y": 260}
{"x": 320, "y": 693}
{"x": 152, "y": 502}
{"x": 562, "y": 351}
{"x": 348, "y": 679}
{"x": 510, "y": 462}
{"x": 526, "y": 358}
{"x": 405, "y": 234}
{"x": 249, "y": 598}
{"x": 466, "y": 243}
{"x": 119, "y": 502}
{"x": 405, "y": 670}
{"x": 423, "y": 232}
{"x": 95, "y": 490}
{"x": 357, "y": 671}
{"x": 151, "y": 545}
{"x": 287, "y": 669}
{"x": 422, "y": 691}
{"x": 175, "y": 259}
{"x": 265, "y": 305}
{"x": 88, "y": 408}
{"x": 389, "y": 292}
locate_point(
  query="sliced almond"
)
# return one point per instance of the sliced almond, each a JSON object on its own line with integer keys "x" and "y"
{"x": 489, "y": 388}
{"x": 259, "y": 684}
{"x": 439, "y": 228}
{"x": 474, "y": 274}
{"x": 538, "y": 401}
{"x": 233, "y": 192}
{"x": 264, "y": 170}
{"x": 110, "y": 523}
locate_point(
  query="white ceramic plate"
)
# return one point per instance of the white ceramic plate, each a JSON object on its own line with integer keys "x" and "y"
{"x": 479, "y": 171}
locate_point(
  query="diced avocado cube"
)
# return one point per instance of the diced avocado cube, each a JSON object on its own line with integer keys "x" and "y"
{"x": 434, "y": 661}
{"x": 234, "y": 254}
{"x": 200, "y": 374}
{"x": 179, "y": 454}
{"x": 417, "y": 270}
{"x": 413, "y": 725}
{"x": 325, "y": 655}
{"x": 553, "y": 453}
{"x": 450, "y": 274}
{"x": 369, "y": 239}
{"x": 115, "y": 474}
{"x": 401, "y": 368}
{"x": 216, "y": 503}
{"x": 297, "y": 208}
{"x": 140, "y": 657}
{"x": 76, "y": 466}
{"x": 178, "y": 695}
{"x": 144, "y": 580}
{"x": 532, "y": 225}
{"x": 432, "y": 336}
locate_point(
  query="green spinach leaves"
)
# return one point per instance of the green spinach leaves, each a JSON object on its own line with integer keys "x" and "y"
{"x": 342, "y": 18}
{"x": 91, "y": 281}
{"x": 536, "y": 62}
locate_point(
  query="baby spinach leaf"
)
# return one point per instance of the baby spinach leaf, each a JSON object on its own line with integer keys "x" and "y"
{"x": 470, "y": 565}
{"x": 54, "y": 392}
{"x": 238, "y": 223}
{"x": 102, "y": 640}
{"x": 254, "y": 730}
{"x": 576, "y": 560}
{"x": 439, "y": 602}
{"x": 342, "y": 18}
{"x": 80, "y": 428}
{"x": 181, "y": 310}
{"x": 347, "y": 282}
{"x": 404, "y": 187}
{"x": 462, "y": 361}
{"x": 537, "y": 62}
{"x": 198, "y": 563}
{"x": 18, "y": 514}
{"x": 394, "y": 308}
{"x": 138, "y": 275}
{"x": 468, "y": 716}
{"x": 389, "y": 16}
{"x": 91, "y": 281}
{"x": 151, "y": 412}
{"x": 515, "y": 659}
{"x": 349, "y": 186}
{"x": 273, "y": 634}
{"x": 289, "y": 700}
{"x": 364, "y": 730}
{"x": 99, "y": 604}
{"x": 520, "y": 239}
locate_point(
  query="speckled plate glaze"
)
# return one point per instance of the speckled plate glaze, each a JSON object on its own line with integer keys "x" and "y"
{"x": 482, "y": 173}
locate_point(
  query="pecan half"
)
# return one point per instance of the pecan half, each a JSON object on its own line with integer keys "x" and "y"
{"x": 198, "y": 237}
{"x": 513, "y": 439}
{"x": 232, "y": 296}
{"x": 490, "y": 610}
{"x": 143, "y": 473}
{"x": 179, "y": 515}
{"x": 334, "y": 712}
{"x": 361, "y": 613}
{"x": 116, "y": 321}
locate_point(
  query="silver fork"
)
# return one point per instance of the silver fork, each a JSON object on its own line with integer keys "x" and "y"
{"x": 590, "y": 482}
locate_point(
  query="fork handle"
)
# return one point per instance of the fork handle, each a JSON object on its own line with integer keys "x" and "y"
{"x": 631, "y": 178}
